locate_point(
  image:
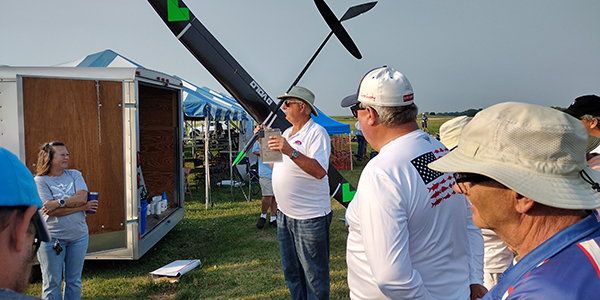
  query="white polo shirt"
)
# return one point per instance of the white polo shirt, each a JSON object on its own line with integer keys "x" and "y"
{"x": 300, "y": 195}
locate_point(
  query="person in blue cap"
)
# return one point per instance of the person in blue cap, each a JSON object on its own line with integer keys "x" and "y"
{"x": 21, "y": 226}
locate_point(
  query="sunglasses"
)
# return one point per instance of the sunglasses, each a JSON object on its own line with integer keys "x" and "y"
{"x": 288, "y": 102}
{"x": 469, "y": 177}
{"x": 355, "y": 109}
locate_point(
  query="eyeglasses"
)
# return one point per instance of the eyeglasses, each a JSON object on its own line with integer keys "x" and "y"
{"x": 288, "y": 102}
{"x": 469, "y": 177}
{"x": 36, "y": 238}
{"x": 355, "y": 109}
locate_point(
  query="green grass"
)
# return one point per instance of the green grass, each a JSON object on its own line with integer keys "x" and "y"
{"x": 238, "y": 261}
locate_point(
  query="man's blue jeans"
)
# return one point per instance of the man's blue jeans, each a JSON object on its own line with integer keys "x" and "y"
{"x": 362, "y": 143}
{"x": 304, "y": 251}
{"x": 70, "y": 260}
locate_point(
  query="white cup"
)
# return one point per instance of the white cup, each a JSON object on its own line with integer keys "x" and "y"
{"x": 156, "y": 207}
{"x": 149, "y": 209}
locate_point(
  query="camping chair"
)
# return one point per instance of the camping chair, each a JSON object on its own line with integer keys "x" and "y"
{"x": 254, "y": 187}
{"x": 188, "y": 190}
{"x": 242, "y": 175}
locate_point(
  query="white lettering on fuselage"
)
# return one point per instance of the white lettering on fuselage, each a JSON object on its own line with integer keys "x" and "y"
{"x": 261, "y": 92}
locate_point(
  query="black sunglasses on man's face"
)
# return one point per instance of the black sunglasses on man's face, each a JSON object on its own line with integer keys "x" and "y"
{"x": 355, "y": 109}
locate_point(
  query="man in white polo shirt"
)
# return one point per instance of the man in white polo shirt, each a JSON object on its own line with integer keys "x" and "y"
{"x": 301, "y": 187}
{"x": 407, "y": 228}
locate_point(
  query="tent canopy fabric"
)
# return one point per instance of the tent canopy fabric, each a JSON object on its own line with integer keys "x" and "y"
{"x": 103, "y": 59}
{"x": 199, "y": 102}
{"x": 203, "y": 102}
{"x": 332, "y": 126}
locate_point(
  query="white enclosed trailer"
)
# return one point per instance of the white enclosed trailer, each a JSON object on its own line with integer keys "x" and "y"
{"x": 114, "y": 121}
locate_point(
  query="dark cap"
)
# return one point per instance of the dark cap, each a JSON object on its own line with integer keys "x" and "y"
{"x": 584, "y": 105}
{"x": 350, "y": 100}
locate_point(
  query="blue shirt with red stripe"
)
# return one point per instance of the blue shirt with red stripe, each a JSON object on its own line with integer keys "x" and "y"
{"x": 566, "y": 266}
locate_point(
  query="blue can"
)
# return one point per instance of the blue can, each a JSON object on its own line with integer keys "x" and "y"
{"x": 92, "y": 196}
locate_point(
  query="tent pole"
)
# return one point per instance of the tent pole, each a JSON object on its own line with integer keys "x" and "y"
{"x": 230, "y": 159}
{"x": 206, "y": 166}
{"x": 350, "y": 149}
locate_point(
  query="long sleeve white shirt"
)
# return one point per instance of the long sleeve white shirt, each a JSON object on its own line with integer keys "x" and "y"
{"x": 407, "y": 228}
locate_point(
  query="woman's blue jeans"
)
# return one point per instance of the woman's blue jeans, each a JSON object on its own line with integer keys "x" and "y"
{"x": 304, "y": 251}
{"x": 69, "y": 262}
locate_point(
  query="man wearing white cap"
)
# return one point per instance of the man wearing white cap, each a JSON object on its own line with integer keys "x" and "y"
{"x": 407, "y": 229}
{"x": 21, "y": 226}
{"x": 523, "y": 168}
{"x": 301, "y": 187}
{"x": 496, "y": 257}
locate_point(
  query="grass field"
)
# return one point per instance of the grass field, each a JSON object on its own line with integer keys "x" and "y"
{"x": 238, "y": 261}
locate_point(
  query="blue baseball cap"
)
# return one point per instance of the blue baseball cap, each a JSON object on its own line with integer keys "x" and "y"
{"x": 17, "y": 188}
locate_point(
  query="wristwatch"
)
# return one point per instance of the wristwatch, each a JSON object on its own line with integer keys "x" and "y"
{"x": 61, "y": 202}
{"x": 294, "y": 154}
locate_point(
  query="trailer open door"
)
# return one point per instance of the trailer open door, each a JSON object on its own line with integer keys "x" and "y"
{"x": 86, "y": 115}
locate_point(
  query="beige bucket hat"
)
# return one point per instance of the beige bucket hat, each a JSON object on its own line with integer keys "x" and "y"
{"x": 451, "y": 129}
{"x": 303, "y": 94}
{"x": 536, "y": 151}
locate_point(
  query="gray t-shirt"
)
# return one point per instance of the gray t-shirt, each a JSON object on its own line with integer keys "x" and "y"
{"x": 6, "y": 294}
{"x": 69, "y": 227}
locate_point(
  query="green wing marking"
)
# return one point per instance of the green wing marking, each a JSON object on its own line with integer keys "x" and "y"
{"x": 176, "y": 13}
{"x": 348, "y": 195}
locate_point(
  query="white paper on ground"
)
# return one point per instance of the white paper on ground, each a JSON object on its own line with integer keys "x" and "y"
{"x": 176, "y": 268}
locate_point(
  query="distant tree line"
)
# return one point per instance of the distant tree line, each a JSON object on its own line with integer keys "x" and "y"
{"x": 470, "y": 112}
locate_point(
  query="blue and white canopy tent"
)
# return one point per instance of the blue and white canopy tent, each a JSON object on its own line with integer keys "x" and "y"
{"x": 199, "y": 103}
{"x": 332, "y": 126}
{"x": 209, "y": 105}
{"x": 341, "y": 147}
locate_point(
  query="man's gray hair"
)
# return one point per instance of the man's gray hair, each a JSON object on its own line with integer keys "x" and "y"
{"x": 391, "y": 116}
{"x": 589, "y": 118}
{"x": 308, "y": 109}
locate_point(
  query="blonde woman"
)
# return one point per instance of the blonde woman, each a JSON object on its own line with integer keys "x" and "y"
{"x": 64, "y": 193}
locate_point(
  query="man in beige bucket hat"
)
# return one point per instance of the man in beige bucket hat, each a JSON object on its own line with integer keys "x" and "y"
{"x": 496, "y": 257}
{"x": 301, "y": 187}
{"x": 523, "y": 168}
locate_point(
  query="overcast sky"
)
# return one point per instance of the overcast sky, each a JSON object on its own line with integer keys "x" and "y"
{"x": 457, "y": 54}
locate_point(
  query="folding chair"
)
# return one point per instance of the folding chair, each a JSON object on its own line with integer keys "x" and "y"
{"x": 188, "y": 190}
{"x": 242, "y": 175}
{"x": 254, "y": 185}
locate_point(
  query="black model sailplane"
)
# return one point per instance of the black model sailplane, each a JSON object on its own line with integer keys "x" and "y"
{"x": 229, "y": 73}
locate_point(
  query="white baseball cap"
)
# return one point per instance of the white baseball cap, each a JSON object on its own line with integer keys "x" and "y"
{"x": 383, "y": 86}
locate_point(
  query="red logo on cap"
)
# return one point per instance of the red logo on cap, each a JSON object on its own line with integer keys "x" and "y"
{"x": 409, "y": 97}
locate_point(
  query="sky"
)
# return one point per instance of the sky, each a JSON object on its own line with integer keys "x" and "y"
{"x": 457, "y": 54}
